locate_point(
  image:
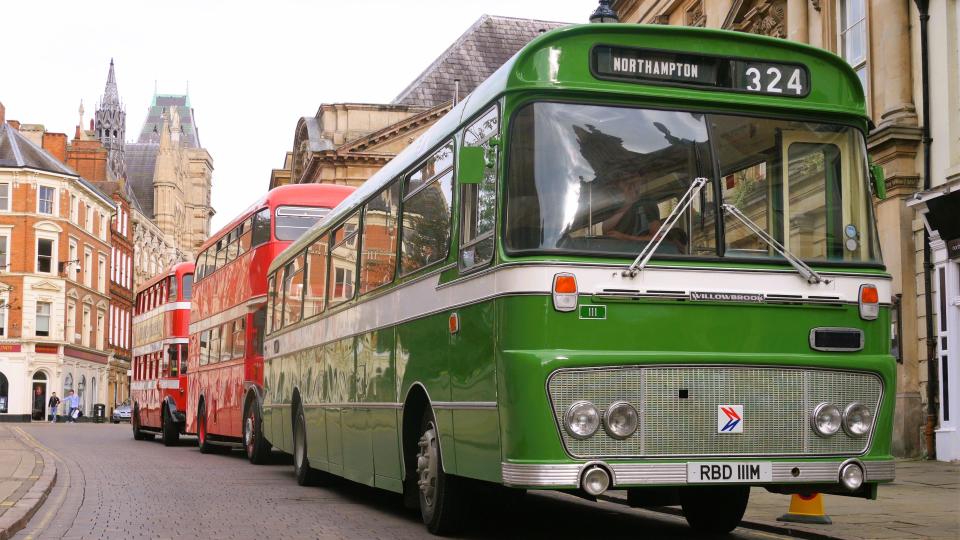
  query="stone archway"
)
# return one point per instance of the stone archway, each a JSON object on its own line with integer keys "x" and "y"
{"x": 38, "y": 396}
{"x": 4, "y": 393}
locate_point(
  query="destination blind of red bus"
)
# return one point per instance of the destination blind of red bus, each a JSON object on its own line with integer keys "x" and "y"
{"x": 664, "y": 67}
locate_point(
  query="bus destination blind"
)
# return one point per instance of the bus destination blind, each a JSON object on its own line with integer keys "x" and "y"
{"x": 671, "y": 68}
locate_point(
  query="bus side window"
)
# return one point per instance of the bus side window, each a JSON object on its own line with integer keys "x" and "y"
{"x": 172, "y": 289}
{"x": 480, "y": 200}
{"x": 204, "y": 346}
{"x": 184, "y": 350}
{"x": 245, "y": 232}
{"x": 232, "y": 244}
{"x": 261, "y": 228}
{"x": 214, "y": 348}
{"x": 226, "y": 341}
{"x": 316, "y": 278}
{"x": 343, "y": 261}
{"x": 272, "y": 300}
{"x": 378, "y": 261}
{"x": 277, "y": 323}
{"x": 426, "y": 212}
{"x": 259, "y": 325}
{"x": 173, "y": 360}
{"x": 239, "y": 337}
{"x": 186, "y": 289}
{"x": 293, "y": 291}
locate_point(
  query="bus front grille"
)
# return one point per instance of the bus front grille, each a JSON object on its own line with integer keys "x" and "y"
{"x": 679, "y": 409}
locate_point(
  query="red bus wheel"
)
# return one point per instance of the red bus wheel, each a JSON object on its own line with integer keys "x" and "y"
{"x": 254, "y": 443}
{"x": 202, "y": 440}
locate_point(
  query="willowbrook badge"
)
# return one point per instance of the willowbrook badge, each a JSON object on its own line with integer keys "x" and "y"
{"x": 752, "y": 298}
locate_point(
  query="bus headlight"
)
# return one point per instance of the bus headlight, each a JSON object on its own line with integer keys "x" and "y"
{"x": 582, "y": 420}
{"x": 857, "y": 419}
{"x": 621, "y": 420}
{"x": 825, "y": 419}
{"x": 851, "y": 476}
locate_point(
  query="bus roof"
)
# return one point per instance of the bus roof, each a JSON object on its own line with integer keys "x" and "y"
{"x": 293, "y": 194}
{"x": 176, "y": 269}
{"x": 835, "y": 87}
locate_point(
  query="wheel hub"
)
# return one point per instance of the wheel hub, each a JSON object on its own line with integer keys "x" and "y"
{"x": 427, "y": 461}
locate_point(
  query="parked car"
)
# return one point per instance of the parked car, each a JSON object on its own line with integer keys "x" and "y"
{"x": 121, "y": 413}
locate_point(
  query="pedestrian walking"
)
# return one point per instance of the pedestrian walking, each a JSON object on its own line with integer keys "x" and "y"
{"x": 53, "y": 404}
{"x": 73, "y": 407}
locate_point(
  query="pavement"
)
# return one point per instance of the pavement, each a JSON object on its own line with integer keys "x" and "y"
{"x": 106, "y": 480}
{"x": 923, "y": 502}
{"x": 26, "y": 476}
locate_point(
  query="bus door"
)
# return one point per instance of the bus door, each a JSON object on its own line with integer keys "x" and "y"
{"x": 472, "y": 355}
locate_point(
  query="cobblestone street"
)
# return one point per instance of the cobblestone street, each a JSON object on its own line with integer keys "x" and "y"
{"x": 110, "y": 486}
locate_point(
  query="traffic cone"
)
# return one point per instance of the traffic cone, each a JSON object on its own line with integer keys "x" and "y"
{"x": 806, "y": 508}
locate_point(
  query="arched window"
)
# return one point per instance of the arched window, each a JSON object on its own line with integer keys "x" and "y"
{"x": 39, "y": 376}
{"x": 67, "y": 383}
{"x": 4, "y": 393}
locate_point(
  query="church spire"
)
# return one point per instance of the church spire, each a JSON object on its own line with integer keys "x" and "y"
{"x": 110, "y": 95}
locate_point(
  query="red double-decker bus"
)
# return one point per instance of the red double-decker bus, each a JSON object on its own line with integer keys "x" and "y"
{"x": 161, "y": 333}
{"x": 229, "y": 315}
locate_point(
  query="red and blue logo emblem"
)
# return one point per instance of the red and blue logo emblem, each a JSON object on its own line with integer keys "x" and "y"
{"x": 729, "y": 418}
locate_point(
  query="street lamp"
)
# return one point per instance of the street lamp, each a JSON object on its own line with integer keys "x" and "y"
{"x": 604, "y": 13}
{"x": 65, "y": 264}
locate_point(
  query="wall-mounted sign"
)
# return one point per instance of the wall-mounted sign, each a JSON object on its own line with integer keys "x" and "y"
{"x": 9, "y": 347}
{"x": 685, "y": 69}
{"x": 46, "y": 349}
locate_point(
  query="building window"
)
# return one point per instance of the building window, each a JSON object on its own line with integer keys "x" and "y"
{"x": 100, "y": 324}
{"x": 74, "y": 209}
{"x": 71, "y": 329}
{"x": 43, "y": 319}
{"x": 87, "y": 267}
{"x": 103, "y": 226}
{"x": 4, "y": 247}
{"x": 72, "y": 252}
{"x": 89, "y": 223}
{"x": 4, "y": 306}
{"x": 102, "y": 273}
{"x": 853, "y": 36}
{"x": 5, "y": 197}
{"x": 45, "y": 200}
{"x": 45, "y": 255}
{"x": 85, "y": 331}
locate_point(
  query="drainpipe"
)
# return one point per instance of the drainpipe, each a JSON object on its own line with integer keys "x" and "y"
{"x": 932, "y": 376}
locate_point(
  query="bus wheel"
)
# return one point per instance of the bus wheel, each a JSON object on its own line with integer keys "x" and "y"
{"x": 714, "y": 509}
{"x": 441, "y": 495}
{"x": 306, "y": 476}
{"x": 255, "y": 444}
{"x": 202, "y": 440}
{"x": 171, "y": 435}
{"x": 138, "y": 434}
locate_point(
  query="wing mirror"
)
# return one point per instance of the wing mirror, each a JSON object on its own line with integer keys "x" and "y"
{"x": 879, "y": 182}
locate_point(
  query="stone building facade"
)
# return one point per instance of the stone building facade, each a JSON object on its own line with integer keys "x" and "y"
{"x": 54, "y": 256}
{"x": 881, "y": 41}
{"x": 346, "y": 143}
{"x": 171, "y": 175}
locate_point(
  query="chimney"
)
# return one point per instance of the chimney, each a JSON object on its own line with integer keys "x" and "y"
{"x": 15, "y": 124}
{"x": 56, "y": 145}
{"x": 3, "y": 114}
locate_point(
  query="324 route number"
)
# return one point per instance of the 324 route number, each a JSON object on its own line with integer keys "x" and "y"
{"x": 773, "y": 79}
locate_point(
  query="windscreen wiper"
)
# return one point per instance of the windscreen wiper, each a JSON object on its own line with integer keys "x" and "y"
{"x": 671, "y": 220}
{"x": 808, "y": 273}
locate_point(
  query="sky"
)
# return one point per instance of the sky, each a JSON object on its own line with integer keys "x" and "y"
{"x": 253, "y": 68}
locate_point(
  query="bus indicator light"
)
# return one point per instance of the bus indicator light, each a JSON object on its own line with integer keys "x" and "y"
{"x": 564, "y": 292}
{"x": 454, "y": 323}
{"x": 869, "y": 302}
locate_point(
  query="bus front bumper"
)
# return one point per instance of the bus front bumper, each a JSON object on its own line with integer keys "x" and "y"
{"x": 623, "y": 475}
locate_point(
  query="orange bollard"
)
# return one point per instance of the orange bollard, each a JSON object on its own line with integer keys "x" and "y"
{"x": 806, "y": 508}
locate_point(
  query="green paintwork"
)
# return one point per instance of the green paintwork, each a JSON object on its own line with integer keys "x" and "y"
{"x": 471, "y": 165}
{"x": 879, "y": 182}
{"x": 507, "y": 347}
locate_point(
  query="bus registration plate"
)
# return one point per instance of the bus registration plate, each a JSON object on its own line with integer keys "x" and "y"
{"x": 729, "y": 472}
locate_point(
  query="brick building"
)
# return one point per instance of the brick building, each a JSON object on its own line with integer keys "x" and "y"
{"x": 54, "y": 296}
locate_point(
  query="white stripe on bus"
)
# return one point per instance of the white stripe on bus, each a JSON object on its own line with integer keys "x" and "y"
{"x": 228, "y": 315}
{"x": 163, "y": 308}
{"x": 426, "y": 296}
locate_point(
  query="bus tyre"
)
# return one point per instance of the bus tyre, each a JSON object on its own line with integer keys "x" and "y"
{"x": 254, "y": 443}
{"x": 171, "y": 435}
{"x": 138, "y": 434}
{"x": 441, "y": 495}
{"x": 203, "y": 441}
{"x": 714, "y": 509}
{"x": 306, "y": 476}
